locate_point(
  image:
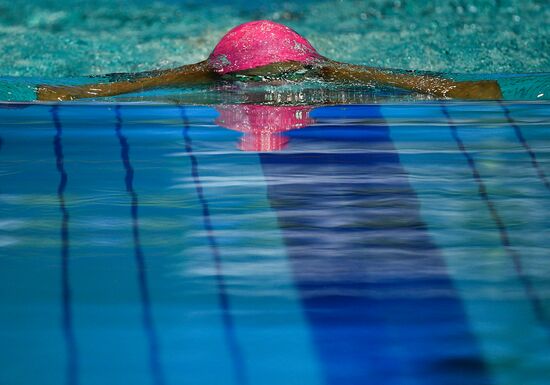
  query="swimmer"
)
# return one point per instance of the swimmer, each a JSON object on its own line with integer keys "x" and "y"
{"x": 268, "y": 50}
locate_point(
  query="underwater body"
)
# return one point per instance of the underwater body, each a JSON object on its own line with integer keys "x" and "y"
{"x": 275, "y": 232}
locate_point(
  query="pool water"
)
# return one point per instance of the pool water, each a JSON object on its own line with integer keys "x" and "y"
{"x": 392, "y": 243}
{"x": 268, "y": 234}
{"x": 60, "y": 42}
{"x": 68, "y": 38}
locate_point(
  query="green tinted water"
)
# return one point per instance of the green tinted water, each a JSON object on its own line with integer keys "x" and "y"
{"x": 60, "y": 38}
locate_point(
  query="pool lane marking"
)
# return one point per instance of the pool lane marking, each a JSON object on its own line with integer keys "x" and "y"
{"x": 139, "y": 257}
{"x": 503, "y": 230}
{"x": 228, "y": 322}
{"x": 372, "y": 324}
{"x": 517, "y": 130}
{"x": 67, "y": 316}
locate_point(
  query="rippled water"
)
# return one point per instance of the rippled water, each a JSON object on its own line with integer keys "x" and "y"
{"x": 519, "y": 87}
{"x": 62, "y": 42}
{"x": 268, "y": 234}
{"x": 254, "y": 244}
{"x": 59, "y": 38}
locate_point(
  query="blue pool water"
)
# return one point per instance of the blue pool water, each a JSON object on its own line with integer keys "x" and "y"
{"x": 268, "y": 234}
{"x": 393, "y": 243}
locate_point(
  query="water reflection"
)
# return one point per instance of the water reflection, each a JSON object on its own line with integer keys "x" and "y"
{"x": 263, "y": 126}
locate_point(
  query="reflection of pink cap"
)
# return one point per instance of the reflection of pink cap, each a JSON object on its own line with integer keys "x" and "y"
{"x": 261, "y": 125}
{"x": 259, "y": 43}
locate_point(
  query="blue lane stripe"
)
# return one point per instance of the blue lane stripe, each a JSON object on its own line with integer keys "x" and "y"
{"x": 534, "y": 162}
{"x": 369, "y": 327}
{"x": 501, "y": 226}
{"x": 157, "y": 372}
{"x": 235, "y": 349}
{"x": 67, "y": 316}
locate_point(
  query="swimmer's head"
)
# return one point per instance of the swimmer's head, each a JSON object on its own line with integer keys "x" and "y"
{"x": 259, "y": 43}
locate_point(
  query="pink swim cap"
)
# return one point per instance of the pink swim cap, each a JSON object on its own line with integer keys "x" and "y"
{"x": 259, "y": 43}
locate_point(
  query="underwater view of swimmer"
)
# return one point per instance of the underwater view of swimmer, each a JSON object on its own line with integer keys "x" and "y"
{"x": 266, "y": 51}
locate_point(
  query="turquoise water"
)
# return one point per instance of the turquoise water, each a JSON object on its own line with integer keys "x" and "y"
{"x": 57, "y": 38}
{"x": 41, "y": 42}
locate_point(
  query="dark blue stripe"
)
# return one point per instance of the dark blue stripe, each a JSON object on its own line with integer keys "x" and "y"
{"x": 229, "y": 327}
{"x": 501, "y": 226}
{"x": 534, "y": 162}
{"x": 157, "y": 372}
{"x": 67, "y": 317}
{"x": 375, "y": 289}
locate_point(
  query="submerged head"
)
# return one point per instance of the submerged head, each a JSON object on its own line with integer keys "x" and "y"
{"x": 259, "y": 43}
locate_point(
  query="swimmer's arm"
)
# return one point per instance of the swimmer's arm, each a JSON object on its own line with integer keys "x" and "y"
{"x": 186, "y": 75}
{"x": 437, "y": 86}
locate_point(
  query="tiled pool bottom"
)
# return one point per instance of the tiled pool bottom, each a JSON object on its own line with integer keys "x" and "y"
{"x": 379, "y": 244}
